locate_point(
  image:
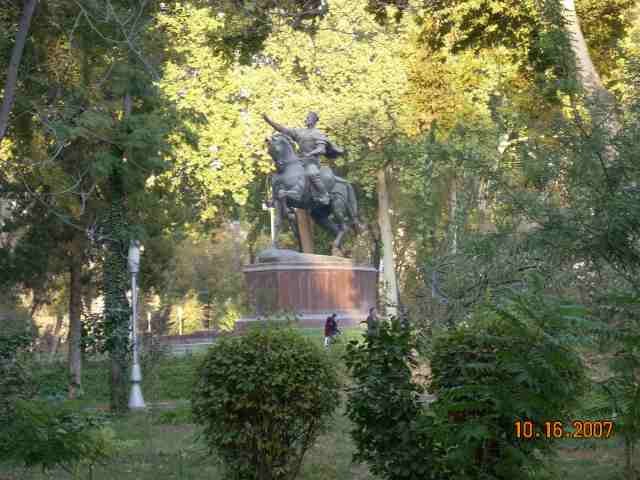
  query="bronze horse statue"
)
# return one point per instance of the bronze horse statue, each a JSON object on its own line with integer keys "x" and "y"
{"x": 291, "y": 189}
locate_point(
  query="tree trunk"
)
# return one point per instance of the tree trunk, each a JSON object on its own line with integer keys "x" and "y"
{"x": 453, "y": 216}
{"x": 602, "y": 104}
{"x": 116, "y": 306}
{"x": 485, "y": 222}
{"x": 180, "y": 321}
{"x": 237, "y": 245}
{"x": 116, "y": 283}
{"x": 75, "y": 320}
{"x": 56, "y": 337}
{"x": 390, "y": 284}
{"x": 37, "y": 302}
{"x": 14, "y": 64}
{"x": 119, "y": 382}
{"x": 305, "y": 227}
{"x": 376, "y": 251}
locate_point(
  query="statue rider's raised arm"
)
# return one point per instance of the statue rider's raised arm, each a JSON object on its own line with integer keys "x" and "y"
{"x": 291, "y": 132}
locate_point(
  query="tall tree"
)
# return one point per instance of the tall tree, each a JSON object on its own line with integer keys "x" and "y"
{"x": 8, "y": 97}
{"x": 390, "y": 283}
{"x": 74, "y": 144}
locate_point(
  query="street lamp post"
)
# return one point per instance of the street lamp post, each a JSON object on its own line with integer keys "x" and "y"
{"x": 272, "y": 220}
{"x": 136, "y": 401}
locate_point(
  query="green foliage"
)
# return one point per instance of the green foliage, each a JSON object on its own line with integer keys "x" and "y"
{"x": 262, "y": 399}
{"x": 16, "y": 382}
{"x": 513, "y": 362}
{"x": 177, "y": 416}
{"x": 176, "y": 377}
{"x": 205, "y": 283}
{"x": 605, "y": 24}
{"x": 166, "y": 378}
{"x": 531, "y": 30}
{"x": 393, "y": 435}
{"x": 247, "y": 24}
{"x": 49, "y": 435}
{"x": 506, "y": 363}
{"x": 116, "y": 305}
{"x": 619, "y": 393}
{"x": 545, "y": 186}
{"x": 91, "y": 156}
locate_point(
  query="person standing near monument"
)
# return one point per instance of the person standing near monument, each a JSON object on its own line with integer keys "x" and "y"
{"x": 330, "y": 329}
{"x": 372, "y": 321}
{"x": 327, "y": 331}
{"x": 312, "y": 144}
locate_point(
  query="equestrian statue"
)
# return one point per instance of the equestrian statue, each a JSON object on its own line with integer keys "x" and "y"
{"x": 300, "y": 182}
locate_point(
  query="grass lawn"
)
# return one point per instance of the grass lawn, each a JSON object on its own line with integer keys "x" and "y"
{"x": 153, "y": 450}
{"x": 591, "y": 460}
{"x": 164, "y": 378}
{"x": 162, "y": 443}
{"x": 154, "y": 447}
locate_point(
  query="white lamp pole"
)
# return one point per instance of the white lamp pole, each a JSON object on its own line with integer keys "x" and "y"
{"x": 272, "y": 221}
{"x": 135, "y": 398}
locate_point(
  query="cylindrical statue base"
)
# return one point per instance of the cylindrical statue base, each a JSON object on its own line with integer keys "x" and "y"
{"x": 310, "y": 286}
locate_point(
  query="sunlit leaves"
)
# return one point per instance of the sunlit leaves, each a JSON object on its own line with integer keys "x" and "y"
{"x": 248, "y": 23}
{"x": 349, "y": 70}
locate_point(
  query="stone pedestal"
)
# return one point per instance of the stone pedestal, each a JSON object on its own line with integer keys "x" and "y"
{"x": 312, "y": 286}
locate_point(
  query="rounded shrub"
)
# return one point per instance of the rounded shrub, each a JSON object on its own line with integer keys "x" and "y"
{"x": 262, "y": 399}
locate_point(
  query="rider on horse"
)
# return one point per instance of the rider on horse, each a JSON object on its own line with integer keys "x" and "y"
{"x": 312, "y": 143}
{"x": 291, "y": 190}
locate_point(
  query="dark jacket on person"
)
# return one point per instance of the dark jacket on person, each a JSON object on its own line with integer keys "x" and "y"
{"x": 330, "y": 327}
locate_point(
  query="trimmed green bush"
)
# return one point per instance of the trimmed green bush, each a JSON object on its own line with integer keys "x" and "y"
{"x": 262, "y": 399}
